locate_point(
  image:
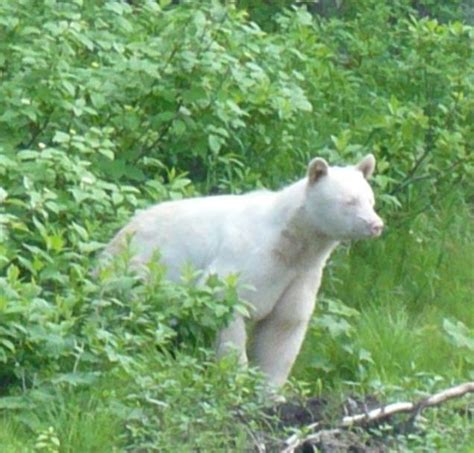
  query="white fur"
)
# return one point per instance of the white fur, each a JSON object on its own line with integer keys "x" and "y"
{"x": 278, "y": 242}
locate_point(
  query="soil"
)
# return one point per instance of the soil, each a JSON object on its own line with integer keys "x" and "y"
{"x": 300, "y": 414}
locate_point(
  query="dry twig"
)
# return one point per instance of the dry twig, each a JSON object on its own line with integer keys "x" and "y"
{"x": 379, "y": 414}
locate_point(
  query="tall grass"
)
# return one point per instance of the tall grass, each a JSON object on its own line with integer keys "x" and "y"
{"x": 71, "y": 420}
{"x": 404, "y": 286}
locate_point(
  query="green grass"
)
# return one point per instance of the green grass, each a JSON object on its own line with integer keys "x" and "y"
{"x": 154, "y": 405}
{"x": 71, "y": 421}
{"x": 14, "y": 437}
{"x": 403, "y": 286}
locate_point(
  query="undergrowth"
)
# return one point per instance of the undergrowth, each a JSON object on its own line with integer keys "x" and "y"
{"x": 109, "y": 106}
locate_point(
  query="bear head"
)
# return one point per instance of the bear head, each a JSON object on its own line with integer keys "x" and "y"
{"x": 339, "y": 200}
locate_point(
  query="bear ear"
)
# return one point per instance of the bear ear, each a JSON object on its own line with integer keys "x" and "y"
{"x": 367, "y": 166}
{"x": 317, "y": 168}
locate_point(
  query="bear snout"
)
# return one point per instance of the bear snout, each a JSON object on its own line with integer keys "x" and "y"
{"x": 376, "y": 227}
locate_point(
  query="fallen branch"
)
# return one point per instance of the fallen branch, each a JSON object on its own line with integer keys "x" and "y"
{"x": 294, "y": 442}
{"x": 379, "y": 414}
{"x": 395, "y": 408}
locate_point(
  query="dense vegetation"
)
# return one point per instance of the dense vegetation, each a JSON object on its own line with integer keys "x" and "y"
{"x": 109, "y": 106}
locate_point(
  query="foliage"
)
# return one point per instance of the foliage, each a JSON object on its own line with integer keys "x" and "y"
{"x": 89, "y": 328}
{"x": 109, "y": 106}
{"x": 263, "y": 12}
{"x": 217, "y": 392}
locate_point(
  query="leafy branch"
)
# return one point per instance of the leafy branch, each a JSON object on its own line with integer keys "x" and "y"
{"x": 411, "y": 179}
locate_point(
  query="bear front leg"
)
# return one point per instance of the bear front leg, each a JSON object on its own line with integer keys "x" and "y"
{"x": 279, "y": 336}
{"x": 233, "y": 338}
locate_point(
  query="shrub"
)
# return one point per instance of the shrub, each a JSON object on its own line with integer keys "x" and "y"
{"x": 108, "y": 106}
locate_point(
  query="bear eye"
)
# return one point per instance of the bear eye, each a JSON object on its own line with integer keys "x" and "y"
{"x": 351, "y": 201}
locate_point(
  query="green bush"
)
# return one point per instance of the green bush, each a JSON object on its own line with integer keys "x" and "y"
{"x": 109, "y": 106}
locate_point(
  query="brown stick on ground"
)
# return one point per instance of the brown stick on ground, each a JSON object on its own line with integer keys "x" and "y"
{"x": 395, "y": 408}
{"x": 381, "y": 413}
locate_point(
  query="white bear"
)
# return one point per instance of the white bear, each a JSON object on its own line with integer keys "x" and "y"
{"x": 277, "y": 242}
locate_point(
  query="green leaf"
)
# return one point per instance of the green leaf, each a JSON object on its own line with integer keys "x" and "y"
{"x": 459, "y": 334}
{"x": 107, "y": 153}
{"x": 215, "y": 143}
{"x": 61, "y": 137}
{"x": 14, "y": 402}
